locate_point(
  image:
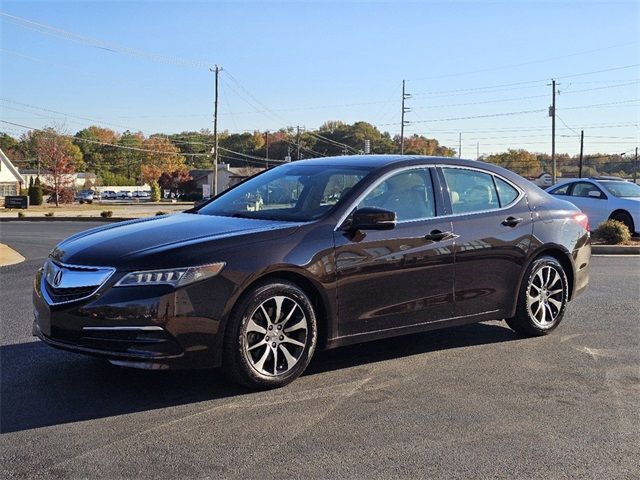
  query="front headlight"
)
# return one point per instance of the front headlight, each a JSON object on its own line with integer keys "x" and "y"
{"x": 178, "y": 277}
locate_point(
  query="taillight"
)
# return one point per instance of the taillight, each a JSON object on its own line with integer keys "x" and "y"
{"x": 583, "y": 220}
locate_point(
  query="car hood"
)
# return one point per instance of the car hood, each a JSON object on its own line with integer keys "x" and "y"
{"x": 148, "y": 243}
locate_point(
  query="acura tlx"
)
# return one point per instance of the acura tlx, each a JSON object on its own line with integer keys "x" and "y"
{"x": 311, "y": 255}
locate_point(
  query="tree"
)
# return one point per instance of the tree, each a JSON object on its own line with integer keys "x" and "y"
{"x": 155, "y": 191}
{"x": 10, "y": 146}
{"x": 38, "y": 194}
{"x": 519, "y": 161}
{"x": 91, "y": 142}
{"x": 420, "y": 145}
{"x": 175, "y": 181}
{"x": 162, "y": 157}
{"x": 57, "y": 158}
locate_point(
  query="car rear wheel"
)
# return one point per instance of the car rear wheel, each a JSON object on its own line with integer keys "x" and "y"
{"x": 271, "y": 336}
{"x": 625, "y": 218}
{"x": 542, "y": 298}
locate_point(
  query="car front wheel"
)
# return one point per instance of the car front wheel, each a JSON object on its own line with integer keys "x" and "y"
{"x": 271, "y": 336}
{"x": 542, "y": 298}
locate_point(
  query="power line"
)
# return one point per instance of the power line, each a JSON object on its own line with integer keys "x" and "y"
{"x": 584, "y": 52}
{"x": 100, "y": 44}
{"x": 528, "y": 82}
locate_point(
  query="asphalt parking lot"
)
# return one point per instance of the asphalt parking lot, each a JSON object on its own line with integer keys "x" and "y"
{"x": 468, "y": 402}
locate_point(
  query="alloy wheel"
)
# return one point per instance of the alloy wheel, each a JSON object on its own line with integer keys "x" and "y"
{"x": 545, "y": 296}
{"x": 275, "y": 336}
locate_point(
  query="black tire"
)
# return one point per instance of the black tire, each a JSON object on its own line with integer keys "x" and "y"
{"x": 625, "y": 218}
{"x": 531, "y": 316}
{"x": 240, "y": 365}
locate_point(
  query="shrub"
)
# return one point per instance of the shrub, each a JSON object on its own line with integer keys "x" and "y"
{"x": 36, "y": 193}
{"x": 612, "y": 232}
{"x": 21, "y": 214}
{"x": 106, "y": 214}
{"x": 155, "y": 191}
{"x": 48, "y": 214}
{"x": 160, "y": 212}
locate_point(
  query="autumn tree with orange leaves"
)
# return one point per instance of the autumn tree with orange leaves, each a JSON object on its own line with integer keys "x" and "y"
{"x": 160, "y": 156}
{"x": 56, "y": 160}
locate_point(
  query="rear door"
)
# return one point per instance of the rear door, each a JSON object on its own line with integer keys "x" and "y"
{"x": 389, "y": 279}
{"x": 492, "y": 220}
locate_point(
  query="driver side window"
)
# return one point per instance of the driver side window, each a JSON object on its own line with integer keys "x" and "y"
{"x": 408, "y": 193}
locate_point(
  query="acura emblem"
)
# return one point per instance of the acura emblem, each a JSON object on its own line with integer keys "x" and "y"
{"x": 57, "y": 280}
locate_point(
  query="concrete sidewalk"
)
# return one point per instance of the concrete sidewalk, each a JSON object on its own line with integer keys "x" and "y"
{"x": 8, "y": 256}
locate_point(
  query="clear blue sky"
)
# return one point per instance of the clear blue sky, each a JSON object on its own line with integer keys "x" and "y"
{"x": 290, "y": 63}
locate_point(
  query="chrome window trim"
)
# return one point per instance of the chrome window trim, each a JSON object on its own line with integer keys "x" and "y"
{"x": 360, "y": 197}
{"x": 515, "y": 201}
{"x": 43, "y": 287}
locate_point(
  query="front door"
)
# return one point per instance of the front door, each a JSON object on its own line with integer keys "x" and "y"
{"x": 395, "y": 278}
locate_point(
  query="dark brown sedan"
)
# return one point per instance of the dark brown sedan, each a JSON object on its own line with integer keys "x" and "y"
{"x": 316, "y": 254}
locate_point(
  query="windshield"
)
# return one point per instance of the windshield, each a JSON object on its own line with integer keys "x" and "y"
{"x": 290, "y": 192}
{"x": 622, "y": 189}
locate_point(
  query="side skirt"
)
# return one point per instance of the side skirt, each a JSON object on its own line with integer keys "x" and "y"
{"x": 409, "y": 329}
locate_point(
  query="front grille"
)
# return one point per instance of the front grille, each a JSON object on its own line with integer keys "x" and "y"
{"x": 67, "y": 283}
{"x": 60, "y": 295}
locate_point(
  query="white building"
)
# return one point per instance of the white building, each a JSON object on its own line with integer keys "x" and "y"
{"x": 78, "y": 179}
{"x": 11, "y": 182}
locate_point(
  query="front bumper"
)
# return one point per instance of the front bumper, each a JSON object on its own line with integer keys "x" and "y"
{"x": 146, "y": 327}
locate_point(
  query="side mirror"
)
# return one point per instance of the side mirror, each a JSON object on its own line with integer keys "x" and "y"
{"x": 371, "y": 218}
{"x": 595, "y": 194}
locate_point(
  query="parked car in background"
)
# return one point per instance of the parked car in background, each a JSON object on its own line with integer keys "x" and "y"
{"x": 124, "y": 194}
{"x": 602, "y": 199}
{"x": 368, "y": 247}
{"x": 109, "y": 195}
{"x": 85, "y": 196}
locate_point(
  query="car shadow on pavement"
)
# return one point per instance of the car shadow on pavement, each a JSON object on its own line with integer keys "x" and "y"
{"x": 41, "y": 386}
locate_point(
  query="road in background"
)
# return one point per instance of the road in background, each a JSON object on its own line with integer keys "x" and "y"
{"x": 467, "y": 402}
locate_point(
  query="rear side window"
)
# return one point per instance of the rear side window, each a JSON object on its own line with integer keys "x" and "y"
{"x": 470, "y": 190}
{"x": 506, "y": 193}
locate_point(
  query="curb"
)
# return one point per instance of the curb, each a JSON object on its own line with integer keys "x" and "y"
{"x": 67, "y": 219}
{"x": 615, "y": 250}
{"x": 8, "y": 256}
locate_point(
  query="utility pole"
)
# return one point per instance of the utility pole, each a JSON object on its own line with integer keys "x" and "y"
{"x": 478, "y": 151}
{"x": 552, "y": 114}
{"x": 267, "y": 147}
{"x": 460, "y": 145}
{"x": 581, "y": 152}
{"x": 298, "y": 141}
{"x": 216, "y": 70}
{"x": 635, "y": 167}
{"x": 403, "y": 123}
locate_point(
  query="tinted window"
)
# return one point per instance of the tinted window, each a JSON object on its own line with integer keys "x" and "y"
{"x": 408, "y": 193}
{"x": 506, "y": 192}
{"x": 582, "y": 189}
{"x": 470, "y": 190}
{"x": 289, "y": 192}
{"x": 561, "y": 190}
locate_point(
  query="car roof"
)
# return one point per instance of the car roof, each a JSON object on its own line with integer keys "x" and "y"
{"x": 378, "y": 161}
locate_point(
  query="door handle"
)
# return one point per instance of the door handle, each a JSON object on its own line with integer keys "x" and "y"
{"x": 511, "y": 221}
{"x": 438, "y": 235}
